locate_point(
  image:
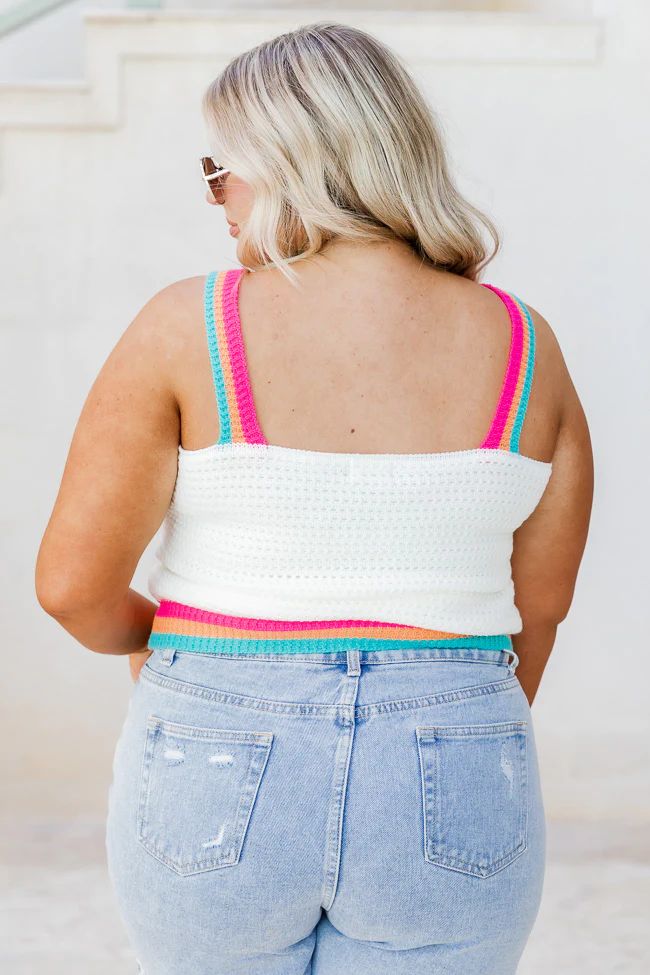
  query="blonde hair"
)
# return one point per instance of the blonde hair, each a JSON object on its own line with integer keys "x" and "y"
{"x": 337, "y": 141}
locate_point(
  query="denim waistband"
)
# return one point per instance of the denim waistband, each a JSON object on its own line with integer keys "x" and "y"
{"x": 355, "y": 659}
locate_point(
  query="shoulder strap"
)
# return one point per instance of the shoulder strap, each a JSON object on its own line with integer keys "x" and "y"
{"x": 216, "y": 348}
{"x": 237, "y": 417}
{"x": 510, "y": 412}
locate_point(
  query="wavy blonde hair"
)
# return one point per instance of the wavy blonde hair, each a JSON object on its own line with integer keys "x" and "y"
{"x": 337, "y": 141}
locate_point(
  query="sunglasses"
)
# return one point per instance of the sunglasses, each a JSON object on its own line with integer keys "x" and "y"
{"x": 214, "y": 175}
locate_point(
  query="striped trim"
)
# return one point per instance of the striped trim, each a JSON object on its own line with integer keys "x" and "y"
{"x": 237, "y": 417}
{"x": 192, "y": 629}
{"x": 509, "y": 416}
{"x": 525, "y": 378}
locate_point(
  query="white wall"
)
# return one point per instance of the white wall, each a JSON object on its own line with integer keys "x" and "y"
{"x": 52, "y": 46}
{"x": 548, "y": 128}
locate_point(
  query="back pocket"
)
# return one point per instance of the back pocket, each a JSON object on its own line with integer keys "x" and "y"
{"x": 475, "y": 795}
{"x": 197, "y": 791}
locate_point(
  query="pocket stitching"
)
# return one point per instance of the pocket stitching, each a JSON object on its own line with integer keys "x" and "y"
{"x": 430, "y": 795}
{"x": 196, "y": 733}
{"x": 260, "y": 741}
{"x": 471, "y": 730}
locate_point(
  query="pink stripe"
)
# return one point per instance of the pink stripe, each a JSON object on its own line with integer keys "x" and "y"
{"x": 180, "y": 611}
{"x": 232, "y": 324}
{"x": 509, "y": 387}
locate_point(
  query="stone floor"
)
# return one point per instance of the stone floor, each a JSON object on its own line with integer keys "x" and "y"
{"x": 58, "y": 916}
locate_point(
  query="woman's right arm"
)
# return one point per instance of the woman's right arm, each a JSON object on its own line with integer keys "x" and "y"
{"x": 548, "y": 546}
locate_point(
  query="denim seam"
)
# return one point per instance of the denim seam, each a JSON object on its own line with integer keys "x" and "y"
{"x": 174, "y": 729}
{"x": 325, "y": 710}
{"x": 338, "y": 657}
{"x": 472, "y": 730}
{"x": 468, "y": 866}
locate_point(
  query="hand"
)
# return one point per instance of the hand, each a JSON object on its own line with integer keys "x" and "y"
{"x": 137, "y": 661}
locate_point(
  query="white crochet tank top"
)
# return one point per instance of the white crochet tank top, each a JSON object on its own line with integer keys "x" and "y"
{"x": 281, "y": 549}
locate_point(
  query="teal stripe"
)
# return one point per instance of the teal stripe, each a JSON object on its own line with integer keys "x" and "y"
{"x": 225, "y": 429}
{"x": 528, "y": 378}
{"x": 210, "y": 644}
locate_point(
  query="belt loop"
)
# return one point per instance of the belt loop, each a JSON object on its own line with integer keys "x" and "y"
{"x": 354, "y": 664}
{"x": 514, "y": 663}
{"x": 167, "y": 656}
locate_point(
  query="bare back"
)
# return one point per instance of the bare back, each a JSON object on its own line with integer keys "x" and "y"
{"x": 376, "y": 354}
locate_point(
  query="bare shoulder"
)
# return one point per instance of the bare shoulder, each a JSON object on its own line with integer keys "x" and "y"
{"x": 551, "y": 387}
{"x": 172, "y": 310}
{"x": 166, "y": 331}
{"x": 168, "y": 316}
{"x": 552, "y": 365}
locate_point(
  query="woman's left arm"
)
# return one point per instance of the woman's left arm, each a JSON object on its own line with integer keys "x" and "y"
{"x": 117, "y": 483}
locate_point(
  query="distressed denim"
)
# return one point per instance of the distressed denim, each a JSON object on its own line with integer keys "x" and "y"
{"x": 318, "y": 814}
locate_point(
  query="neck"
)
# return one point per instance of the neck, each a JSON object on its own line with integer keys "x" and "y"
{"x": 380, "y": 252}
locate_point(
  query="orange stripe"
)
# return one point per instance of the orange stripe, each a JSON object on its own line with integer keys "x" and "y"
{"x": 170, "y": 624}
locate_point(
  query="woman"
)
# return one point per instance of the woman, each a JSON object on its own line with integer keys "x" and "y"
{"x": 328, "y": 762}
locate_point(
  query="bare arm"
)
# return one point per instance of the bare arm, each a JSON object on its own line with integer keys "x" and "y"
{"x": 117, "y": 484}
{"x": 548, "y": 547}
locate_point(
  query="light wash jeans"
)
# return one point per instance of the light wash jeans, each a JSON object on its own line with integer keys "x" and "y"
{"x": 363, "y": 812}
